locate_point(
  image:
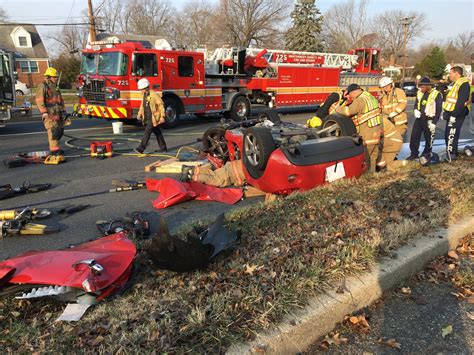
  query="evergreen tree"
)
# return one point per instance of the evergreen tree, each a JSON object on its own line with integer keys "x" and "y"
{"x": 433, "y": 64}
{"x": 304, "y": 34}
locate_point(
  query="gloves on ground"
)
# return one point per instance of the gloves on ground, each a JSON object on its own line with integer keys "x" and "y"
{"x": 417, "y": 113}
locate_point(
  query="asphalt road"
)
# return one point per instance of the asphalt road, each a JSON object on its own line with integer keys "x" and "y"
{"x": 85, "y": 175}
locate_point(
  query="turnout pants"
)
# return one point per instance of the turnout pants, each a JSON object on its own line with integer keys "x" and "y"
{"x": 400, "y": 122}
{"x": 149, "y": 129}
{"x": 420, "y": 127}
{"x": 451, "y": 136}
{"x": 391, "y": 147}
{"x": 231, "y": 174}
{"x": 55, "y": 130}
{"x": 371, "y": 137}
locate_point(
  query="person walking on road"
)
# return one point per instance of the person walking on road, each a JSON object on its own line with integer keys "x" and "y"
{"x": 427, "y": 110}
{"x": 456, "y": 107}
{"x": 365, "y": 113}
{"x": 51, "y": 106}
{"x": 393, "y": 104}
{"x": 152, "y": 114}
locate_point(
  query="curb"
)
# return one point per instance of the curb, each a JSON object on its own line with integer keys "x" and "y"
{"x": 300, "y": 330}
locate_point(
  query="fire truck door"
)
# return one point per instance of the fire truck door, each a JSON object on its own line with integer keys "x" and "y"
{"x": 7, "y": 85}
{"x": 191, "y": 79}
{"x": 145, "y": 65}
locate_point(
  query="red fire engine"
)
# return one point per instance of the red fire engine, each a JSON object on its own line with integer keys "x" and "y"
{"x": 228, "y": 82}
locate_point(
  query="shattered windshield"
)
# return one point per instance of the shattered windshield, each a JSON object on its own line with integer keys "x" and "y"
{"x": 107, "y": 63}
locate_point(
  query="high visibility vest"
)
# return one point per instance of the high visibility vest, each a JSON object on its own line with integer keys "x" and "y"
{"x": 340, "y": 103}
{"x": 430, "y": 102}
{"x": 371, "y": 113}
{"x": 453, "y": 95}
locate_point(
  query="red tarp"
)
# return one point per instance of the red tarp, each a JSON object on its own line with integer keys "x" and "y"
{"x": 173, "y": 192}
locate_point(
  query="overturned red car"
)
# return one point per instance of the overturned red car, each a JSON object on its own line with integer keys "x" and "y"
{"x": 281, "y": 157}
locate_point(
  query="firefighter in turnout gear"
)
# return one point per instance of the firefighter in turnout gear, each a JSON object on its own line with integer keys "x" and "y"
{"x": 335, "y": 100}
{"x": 392, "y": 144}
{"x": 231, "y": 174}
{"x": 393, "y": 104}
{"x": 427, "y": 110}
{"x": 365, "y": 113}
{"x": 456, "y": 107}
{"x": 152, "y": 114}
{"x": 51, "y": 106}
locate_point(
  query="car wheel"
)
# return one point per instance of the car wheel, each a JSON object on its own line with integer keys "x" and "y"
{"x": 240, "y": 109}
{"x": 271, "y": 115}
{"x": 257, "y": 148}
{"x": 339, "y": 126}
{"x": 19, "y": 93}
{"x": 214, "y": 142}
{"x": 171, "y": 112}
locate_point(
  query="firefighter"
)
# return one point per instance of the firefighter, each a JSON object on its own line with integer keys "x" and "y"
{"x": 336, "y": 99}
{"x": 365, "y": 112}
{"x": 51, "y": 106}
{"x": 231, "y": 174}
{"x": 427, "y": 110}
{"x": 392, "y": 144}
{"x": 393, "y": 104}
{"x": 152, "y": 114}
{"x": 456, "y": 107}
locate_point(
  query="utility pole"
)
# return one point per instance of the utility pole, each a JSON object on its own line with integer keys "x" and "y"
{"x": 405, "y": 22}
{"x": 91, "y": 37}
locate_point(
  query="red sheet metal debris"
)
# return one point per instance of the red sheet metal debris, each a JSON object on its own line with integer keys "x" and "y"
{"x": 173, "y": 192}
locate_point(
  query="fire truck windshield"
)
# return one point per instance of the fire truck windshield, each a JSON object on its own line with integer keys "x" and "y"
{"x": 106, "y": 63}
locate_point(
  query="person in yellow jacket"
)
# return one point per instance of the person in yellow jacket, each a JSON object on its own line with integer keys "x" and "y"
{"x": 392, "y": 144}
{"x": 456, "y": 107}
{"x": 152, "y": 114}
{"x": 51, "y": 106}
{"x": 364, "y": 111}
{"x": 393, "y": 104}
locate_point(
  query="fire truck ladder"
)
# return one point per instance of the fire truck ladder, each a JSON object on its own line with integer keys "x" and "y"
{"x": 331, "y": 60}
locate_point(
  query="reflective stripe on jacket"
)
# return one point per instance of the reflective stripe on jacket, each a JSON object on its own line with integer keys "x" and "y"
{"x": 453, "y": 95}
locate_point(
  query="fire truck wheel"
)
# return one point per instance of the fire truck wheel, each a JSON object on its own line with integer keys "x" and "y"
{"x": 341, "y": 126}
{"x": 240, "y": 109}
{"x": 271, "y": 115}
{"x": 258, "y": 146}
{"x": 214, "y": 142}
{"x": 171, "y": 112}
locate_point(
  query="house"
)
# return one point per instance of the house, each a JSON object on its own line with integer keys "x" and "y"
{"x": 147, "y": 41}
{"x": 31, "y": 57}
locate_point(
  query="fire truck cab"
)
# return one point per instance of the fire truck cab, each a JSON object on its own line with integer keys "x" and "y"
{"x": 7, "y": 86}
{"x": 107, "y": 83}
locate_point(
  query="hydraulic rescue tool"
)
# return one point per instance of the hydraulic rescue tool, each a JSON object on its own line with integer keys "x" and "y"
{"x": 20, "y": 223}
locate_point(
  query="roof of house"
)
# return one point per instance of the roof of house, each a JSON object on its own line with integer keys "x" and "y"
{"x": 146, "y": 40}
{"x": 37, "y": 50}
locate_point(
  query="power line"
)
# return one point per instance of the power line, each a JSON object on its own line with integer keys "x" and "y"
{"x": 45, "y": 24}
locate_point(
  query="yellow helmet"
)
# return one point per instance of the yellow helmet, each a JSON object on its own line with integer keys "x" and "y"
{"x": 50, "y": 72}
{"x": 314, "y": 122}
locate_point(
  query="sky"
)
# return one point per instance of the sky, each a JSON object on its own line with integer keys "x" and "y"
{"x": 445, "y": 18}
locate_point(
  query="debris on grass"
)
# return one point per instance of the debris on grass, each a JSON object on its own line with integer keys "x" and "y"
{"x": 301, "y": 245}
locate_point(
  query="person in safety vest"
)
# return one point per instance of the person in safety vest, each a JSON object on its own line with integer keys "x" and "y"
{"x": 51, "y": 106}
{"x": 152, "y": 114}
{"x": 456, "y": 107}
{"x": 393, "y": 104}
{"x": 365, "y": 113}
{"x": 427, "y": 110}
{"x": 336, "y": 99}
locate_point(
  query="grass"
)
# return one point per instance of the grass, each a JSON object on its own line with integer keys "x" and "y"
{"x": 291, "y": 250}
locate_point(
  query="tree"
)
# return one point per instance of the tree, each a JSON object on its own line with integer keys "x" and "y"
{"x": 3, "y": 15}
{"x": 460, "y": 49}
{"x": 345, "y": 24}
{"x": 68, "y": 65}
{"x": 305, "y": 33}
{"x": 390, "y": 30}
{"x": 245, "y": 22}
{"x": 433, "y": 65}
{"x": 149, "y": 17}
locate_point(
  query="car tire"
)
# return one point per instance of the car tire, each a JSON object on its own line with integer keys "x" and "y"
{"x": 240, "y": 109}
{"x": 257, "y": 148}
{"x": 271, "y": 115}
{"x": 214, "y": 142}
{"x": 345, "y": 126}
{"x": 171, "y": 112}
{"x": 19, "y": 93}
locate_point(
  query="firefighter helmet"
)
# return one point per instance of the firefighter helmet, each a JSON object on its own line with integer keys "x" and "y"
{"x": 50, "y": 72}
{"x": 385, "y": 81}
{"x": 143, "y": 84}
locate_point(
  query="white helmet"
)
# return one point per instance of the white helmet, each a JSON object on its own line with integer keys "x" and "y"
{"x": 143, "y": 84}
{"x": 385, "y": 81}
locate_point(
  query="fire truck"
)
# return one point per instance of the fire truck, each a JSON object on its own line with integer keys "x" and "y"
{"x": 228, "y": 81}
{"x": 7, "y": 86}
